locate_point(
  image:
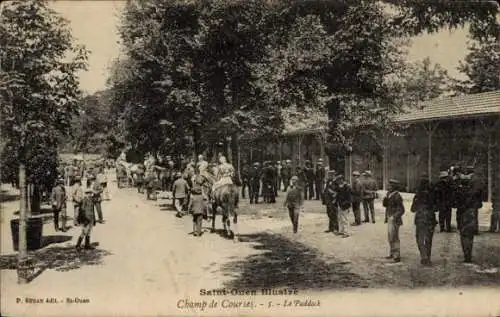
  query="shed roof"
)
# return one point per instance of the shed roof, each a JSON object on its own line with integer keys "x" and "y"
{"x": 466, "y": 106}
{"x": 460, "y": 107}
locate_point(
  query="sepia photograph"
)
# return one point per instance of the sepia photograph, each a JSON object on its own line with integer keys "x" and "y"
{"x": 250, "y": 158}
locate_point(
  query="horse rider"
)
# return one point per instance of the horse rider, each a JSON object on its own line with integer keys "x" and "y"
{"x": 225, "y": 174}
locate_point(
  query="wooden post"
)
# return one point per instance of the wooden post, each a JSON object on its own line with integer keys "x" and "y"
{"x": 490, "y": 174}
{"x": 385, "y": 159}
{"x": 239, "y": 159}
{"x": 489, "y": 131}
{"x": 349, "y": 165}
{"x": 299, "y": 148}
{"x": 429, "y": 154}
{"x": 281, "y": 150}
{"x": 229, "y": 150}
{"x": 430, "y": 129}
{"x": 408, "y": 171}
{"x": 22, "y": 277}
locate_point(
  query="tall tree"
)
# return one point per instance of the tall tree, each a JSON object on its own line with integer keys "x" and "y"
{"x": 482, "y": 66}
{"x": 38, "y": 85}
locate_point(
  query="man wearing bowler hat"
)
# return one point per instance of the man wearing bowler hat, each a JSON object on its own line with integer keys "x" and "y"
{"x": 394, "y": 210}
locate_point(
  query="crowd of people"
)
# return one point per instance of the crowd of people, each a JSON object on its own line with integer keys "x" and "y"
{"x": 86, "y": 200}
{"x": 456, "y": 188}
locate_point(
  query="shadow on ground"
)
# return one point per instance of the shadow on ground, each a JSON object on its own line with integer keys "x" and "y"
{"x": 59, "y": 258}
{"x": 48, "y": 240}
{"x": 286, "y": 263}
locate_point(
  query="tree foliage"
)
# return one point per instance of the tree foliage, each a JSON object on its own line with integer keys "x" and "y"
{"x": 38, "y": 85}
{"x": 482, "y": 66}
{"x": 212, "y": 69}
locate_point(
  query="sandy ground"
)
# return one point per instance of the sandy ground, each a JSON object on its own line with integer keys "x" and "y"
{"x": 148, "y": 263}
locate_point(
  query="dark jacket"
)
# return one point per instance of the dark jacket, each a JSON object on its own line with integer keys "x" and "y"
{"x": 309, "y": 173}
{"x": 344, "y": 196}
{"x": 394, "y": 207}
{"x": 443, "y": 194}
{"x": 423, "y": 206}
{"x": 330, "y": 194}
{"x": 86, "y": 213}
{"x": 286, "y": 172}
{"x": 198, "y": 184}
{"x": 255, "y": 175}
{"x": 245, "y": 173}
{"x": 357, "y": 190}
{"x": 320, "y": 173}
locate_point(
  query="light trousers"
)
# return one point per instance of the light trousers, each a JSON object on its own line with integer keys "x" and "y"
{"x": 393, "y": 237}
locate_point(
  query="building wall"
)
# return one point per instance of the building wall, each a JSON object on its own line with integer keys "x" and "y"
{"x": 458, "y": 141}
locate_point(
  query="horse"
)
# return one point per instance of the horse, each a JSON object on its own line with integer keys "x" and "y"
{"x": 225, "y": 201}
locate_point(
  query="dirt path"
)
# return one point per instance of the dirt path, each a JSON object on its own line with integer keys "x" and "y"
{"x": 147, "y": 261}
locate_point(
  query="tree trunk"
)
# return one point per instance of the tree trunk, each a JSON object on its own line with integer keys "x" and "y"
{"x": 336, "y": 158}
{"x": 196, "y": 142}
{"x": 23, "y": 242}
{"x": 234, "y": 151}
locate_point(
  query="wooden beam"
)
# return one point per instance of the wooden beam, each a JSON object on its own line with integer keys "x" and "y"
{"x": 430, "y": 129}
{"x": 385, "y": 159}
{"x": 489, "y": 173}
{"x": 408, "y": 172}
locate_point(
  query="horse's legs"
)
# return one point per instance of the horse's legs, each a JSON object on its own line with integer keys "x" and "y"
{"x": 214, "y": 213}
{"x": 235, "y": 222}
{"x": 226, "y": 224}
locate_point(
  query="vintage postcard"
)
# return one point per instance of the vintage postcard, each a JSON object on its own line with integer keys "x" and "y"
{"x": 250, "y": 158}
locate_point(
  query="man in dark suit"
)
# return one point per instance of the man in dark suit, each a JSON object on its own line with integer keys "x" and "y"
{"x": 330, "y": 200}
{"x": 319, "y": 179}
{"x": 254, "y": 183}
{"x": 245, "y": 179}
{"x": 443, "y": 195}
{"x": 286, "y": 174}
{"x": 310, "y": 179}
